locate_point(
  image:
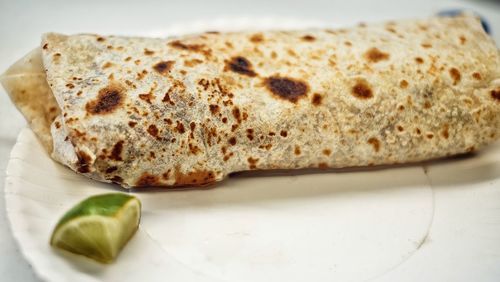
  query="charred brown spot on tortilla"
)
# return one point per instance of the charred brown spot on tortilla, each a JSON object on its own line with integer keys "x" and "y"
{"x": 418, "y": 131}
{"x": 455, "y": 75}
{"x": 256, "y": 38}
{"x": 250, "y": 134}
{"x": 266, "y": 146}
{"x": 132, "y": 124}
{"x": 70, "y": 85}
{"x": 111, "y": 169}
{"x": 291, "y": 53}
{"x": 240, "y": 65}
{"x": 297, "y": 150}
{"x": 348, "y": 43}
{"x": 390, "y": 29}
{"x": 237, "y": 114}
{"x": 419, "y": 60}
{"x": 180, "y": 127}
{"x": 400, "y": 128}
{"x": 100, "y": 39}
{"x": 148, "y": 52}
{"x": 445, "y": 131}
{"x": 57, "y": 124}
{"x": 214, "y": 109}
{"x": 252, "y": 163}
{"x": 83, "y": 163}
{"x": 163, "y": 67}
{"x": 283, "y": 133}
{"x": 192, "y": 63}
{"x": 108, "y": 99}
{"x": 429, "y": 135}
{"x": 327, "y": 152}
{"x": 224, "y": 149}
{"x": 375, "y": 143}
{"x": 204, "y": 83}
{"x": 147, "y": 179}
{"x": 201, "y": 177}
{"x": 45, "y": 46}
{"x": 142, "y": 74}
{"x": 308, "y": 38}
{"x": 462, "y": 39}
{"x": 322, "y": 165}
{"x": 71, "y": 120}
{"x": 476, "y": 76}
{"x": 362, "y": 89}
{"x": 224, "y": 119}
{"x": 423, "y": 27}
{"x": 179, "y": 45}
{"x": 192, "y": 125}
{"x": 426, "y": 45}
{"x": 374, "y": 55}
{"x": 116, "y": 152}
{"x": 166, "y": 175}
{"x": 427, "y": 105}
{"x": 193, "y": 149}
{"x": 148, "y": 97}
{"x": 232, "y": 141}
{"x": 107, "y": 65}
{"x": 316, "y": 99}
{"x": 153, "y": 130}
{"x": 403, "y": 84}
{"x": 198, "y": 48}
{"x": 289, "y": 89}
{"x": 495, "y": 94}
{"x": 166, "y": 99}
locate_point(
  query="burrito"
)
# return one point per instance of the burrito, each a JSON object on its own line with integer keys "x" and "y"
{"x": 191, "y": 110}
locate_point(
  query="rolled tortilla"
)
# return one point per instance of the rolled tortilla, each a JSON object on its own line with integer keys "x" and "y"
{"x": 193, "y": 109}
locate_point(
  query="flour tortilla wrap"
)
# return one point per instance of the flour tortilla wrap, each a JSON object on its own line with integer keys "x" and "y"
{"x": 193, "y": 109}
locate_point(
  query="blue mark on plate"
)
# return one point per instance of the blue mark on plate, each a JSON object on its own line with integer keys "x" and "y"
{"x": 456, "y": 12}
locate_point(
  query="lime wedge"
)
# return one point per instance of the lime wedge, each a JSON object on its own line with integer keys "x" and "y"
{"x": 99, "y": 226}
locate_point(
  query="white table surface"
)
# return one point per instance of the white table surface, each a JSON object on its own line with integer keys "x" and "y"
{"x": 22, "y": 22}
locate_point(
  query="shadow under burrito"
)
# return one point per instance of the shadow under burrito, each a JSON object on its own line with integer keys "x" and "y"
{"x": 481, "y": 167}
{"x": 256, "y": 186}
{"x": 250, "y": 189}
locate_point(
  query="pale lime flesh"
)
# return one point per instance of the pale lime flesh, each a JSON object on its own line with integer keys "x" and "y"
{"x": 98, "y": 227}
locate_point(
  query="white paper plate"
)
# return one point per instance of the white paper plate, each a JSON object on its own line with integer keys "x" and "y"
{"x": 391, "y": 224}
{"x": 441, "y": 223}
